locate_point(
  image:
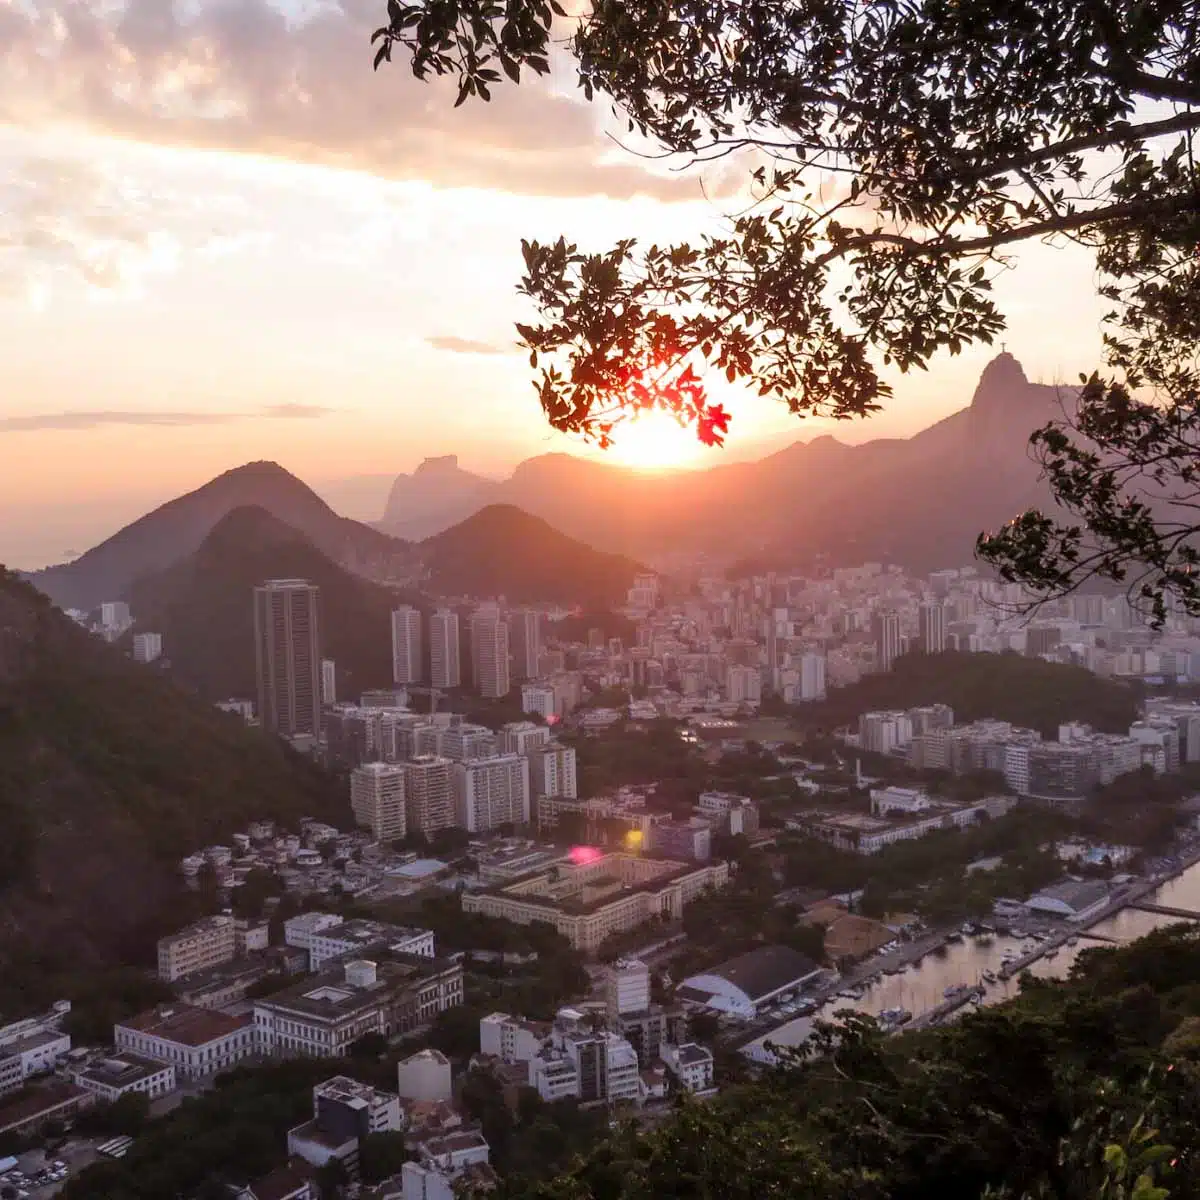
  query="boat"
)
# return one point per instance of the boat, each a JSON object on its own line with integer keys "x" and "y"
{"x": 1051, "y": 953}
{"x": 956, "y": 936}
{"x": 988, "y": 976}
{"x": 1073, "y": 940}
{"x": 893, "y": 1018}
{"x": 956, "y": 992}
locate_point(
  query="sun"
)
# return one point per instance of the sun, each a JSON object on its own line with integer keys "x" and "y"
{"x": 653, "y": 440}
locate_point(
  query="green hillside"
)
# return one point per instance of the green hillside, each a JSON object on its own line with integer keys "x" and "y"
{"x": 1026, "y": 691}
{"x": 503, "y": 551}
{"x": 108, "y": 775}
{"x": 204, "y": 608}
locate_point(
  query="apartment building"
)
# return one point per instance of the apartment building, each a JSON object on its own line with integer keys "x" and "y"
{"x": 377, "y": 798}
{"x": 359, "y": 936}
{"x": 204, "y": 944}
{"x": 490, "y": 792}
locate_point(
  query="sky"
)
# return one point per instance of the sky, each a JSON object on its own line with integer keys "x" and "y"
{"x": 224, "y": 238}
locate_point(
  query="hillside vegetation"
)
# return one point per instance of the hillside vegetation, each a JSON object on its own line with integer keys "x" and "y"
{"x": 108, "y": 775}
{"x": 1075, "y": 1091}
{"x": 204, "y": 607}
{"x": 1026, "y": 691}
{"x": 503, "y": 551}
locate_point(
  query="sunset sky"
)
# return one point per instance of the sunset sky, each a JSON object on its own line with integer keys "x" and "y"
{"x": 223, "y": 238}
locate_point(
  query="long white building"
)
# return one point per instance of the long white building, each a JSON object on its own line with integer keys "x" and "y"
{"x": 489, "y": 653}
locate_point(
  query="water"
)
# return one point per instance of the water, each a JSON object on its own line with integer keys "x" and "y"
{"x": 922, "y": 986}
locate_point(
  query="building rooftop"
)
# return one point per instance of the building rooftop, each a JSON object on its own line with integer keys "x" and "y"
{"x": 282, "y": 1182}
{"x": 121, "y": 1070}
{"x": 766, "y": 970}
{"x": 311, "y": 1132}
{"x": 1076, "y": 894}
{"x": 186, "y": 1024}
{"x": 31, "y": 1042}
{"x": 204, "y": 925}
{"x": 454, "y": 1143}
{"x": 29, "y": 1103}
{"x": 690, "y": 1054}
{"x": 350, "y": 1091}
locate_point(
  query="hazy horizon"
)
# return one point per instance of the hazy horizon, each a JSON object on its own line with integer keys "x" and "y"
{"x": 331, "y": 283}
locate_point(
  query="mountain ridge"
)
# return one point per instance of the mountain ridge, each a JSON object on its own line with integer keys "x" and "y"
{"x": 920, "y": 501}
{"x": 172, "y": 531}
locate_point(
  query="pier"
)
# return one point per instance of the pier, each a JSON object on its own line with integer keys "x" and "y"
{"x": 1166, "y": 910}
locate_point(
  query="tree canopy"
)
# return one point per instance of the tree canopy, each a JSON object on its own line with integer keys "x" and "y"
{"x": 894, "y": 154}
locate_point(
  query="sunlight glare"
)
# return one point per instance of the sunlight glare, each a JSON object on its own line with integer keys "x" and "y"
{"x": 654, "y": 440}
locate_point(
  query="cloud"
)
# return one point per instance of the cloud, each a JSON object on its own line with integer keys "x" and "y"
{"x": 461, "y": 345}
{"x": 241, "y": 75}
{"x": 62, "y": 219}
{"x": 93, "y": 420}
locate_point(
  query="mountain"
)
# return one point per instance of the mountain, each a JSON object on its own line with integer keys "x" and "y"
{"x": 502, "y": 551}
{"x": 174, "y": 530}
{"x": 436, "y": 495}
{"x": 108, "y": 776}
{"x": 203, "y": 607}
{"x": 918, "y": 501}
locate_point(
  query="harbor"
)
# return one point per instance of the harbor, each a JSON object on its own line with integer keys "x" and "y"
{"x": 930, "y": 981}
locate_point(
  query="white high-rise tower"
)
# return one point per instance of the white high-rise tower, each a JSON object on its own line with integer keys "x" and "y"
{"x": 444, "y": 670}
{"x": 407, "y": 666}
{"x": 489, "y": 653}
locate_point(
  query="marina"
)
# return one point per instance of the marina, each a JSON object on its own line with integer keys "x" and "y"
{"x": 985, "y": 968}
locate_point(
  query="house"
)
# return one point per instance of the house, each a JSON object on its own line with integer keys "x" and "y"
{"x": 691, "y": 1066}
{"x": 111, "y": 1078}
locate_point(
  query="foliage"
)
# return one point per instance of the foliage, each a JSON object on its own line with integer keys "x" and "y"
{"x": 611, "y": 624}
{"x": 125, "y": 1115}
{"x": 893, "y": 154}
{"x": 1068, "y": 1092}
{"x": 503, "y": 551}
{"x": 1026, "y": 691}
{"x": 235, "y": 1132}
{"x": 114, "y": 775}
{"x": 381, "y": 1155}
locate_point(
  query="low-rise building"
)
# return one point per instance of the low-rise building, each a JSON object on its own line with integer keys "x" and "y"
{"x": 424, "y": 1077}
{"x": 448, "y": 1167}
{"x": 355, "y": 937}
{"x": 35, "y": 1107}
{"x": 195, "y": 1041}
{"x": 201, "y": 945}
{"x": 746, "y": 985}
{"x": 511, "y": 1039}
{"x": 1073, "y": 899}
{"x": 32, "y": 1054}
{"x": 692, "y": 1067}
{"x": 108, "y": 1079}
{"x": 688, "y": 841}
{"x": 553, "y": 1076}
{"x": 344, "y": 1112}
{"x": 589, "y": 901}
{"x": 388, "y": 994}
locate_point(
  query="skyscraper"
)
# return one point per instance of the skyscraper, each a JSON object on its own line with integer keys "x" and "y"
{"x": 328, "y": 681}
{"x": 933, "y": 627}
{"x": 489, "y": 653}
{"x": 287, "y": 644}
{"x": 444, "y": 667}
{"x": 812, "y": 677}
{"x": 887, "y": 639}
{"x": 525, "y": 632}
{"x": 407, "y": 665}
{"x": 377, "y": 798}
{"x": 428, "y": 794}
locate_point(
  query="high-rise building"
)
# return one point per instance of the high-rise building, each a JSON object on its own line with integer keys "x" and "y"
{"x": 525, "y": 635}
{"x": 933, "y": 627}
{"x": 147, "y": 647}
{"x": 444, "y": 669}
{"x": 407, "y": 664}
{"x": 328, "y": 681}
{"x": 377, "y": 798}
{"x": 490, "y": 792}
{"x": 428, "y": 794}
{"x": 552, "y": 771}
{"x": 489, "y": 653}
{"x": 538, "y": 698}
{"x": 887, "y": 639}
{"x": 812, "y": 677}
{"x": 287, "y": 642}
{"x": 627, "y": 987}
{"x": 522, "y": 737}
{"x": 743, "y": 685}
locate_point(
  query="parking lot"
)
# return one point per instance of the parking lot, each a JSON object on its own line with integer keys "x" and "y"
{"x": 38, "y": 1174}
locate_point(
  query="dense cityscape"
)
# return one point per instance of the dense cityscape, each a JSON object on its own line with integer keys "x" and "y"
{"x": 543, "y": 821}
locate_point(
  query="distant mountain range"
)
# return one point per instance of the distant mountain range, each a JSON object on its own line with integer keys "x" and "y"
{"x": 109, "y": 774}
{"x": 176, "y": 529}
{"x": 919, "y": 501}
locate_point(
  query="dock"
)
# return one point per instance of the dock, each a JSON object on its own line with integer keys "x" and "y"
{"x": 1166, "y": 910}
